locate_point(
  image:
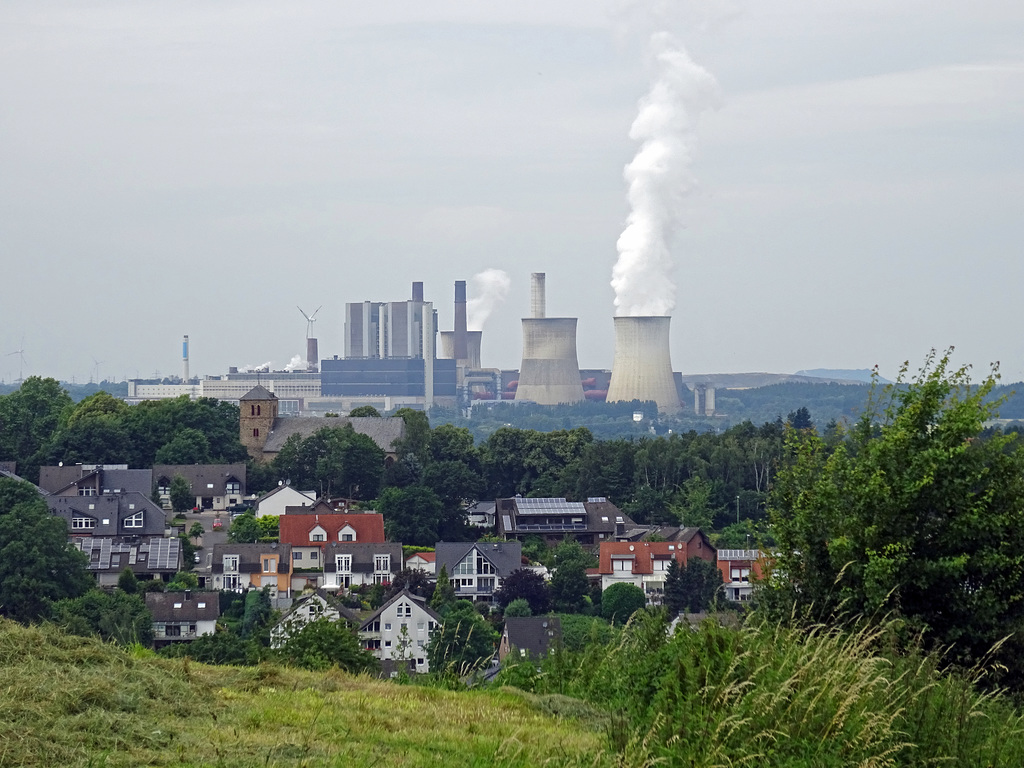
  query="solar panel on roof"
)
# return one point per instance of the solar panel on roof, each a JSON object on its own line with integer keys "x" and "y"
{"x": 597, "y": 499}
{"x": 549, "y": 506}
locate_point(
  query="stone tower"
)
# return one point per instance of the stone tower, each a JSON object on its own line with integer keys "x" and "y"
{"x": 257, "y": 412}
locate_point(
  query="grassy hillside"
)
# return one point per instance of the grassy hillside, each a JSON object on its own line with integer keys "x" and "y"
{"x": 70, "y": 701}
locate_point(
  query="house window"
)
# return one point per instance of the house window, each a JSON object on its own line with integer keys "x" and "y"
{"x": 256, "y": 432}
{"x": 485, "y": 585}
{"x": 86, "y": 491}
{"x": 314, "y": 555}
{"x": 381, "y": 563}
{"x": 172, "y": 630}
{"x": 232, "y": 487}
{"x": 483, "y": 565}
{"x": 343, "y": 563}
{"x": 740, "y": 574}
{"x": 230, "y": 563}
{"x": 135, "y": 521}
{"x": 347, "y": 537}
{"x": 82, "y": 523}
{"x": 269, "y": 565}
{"x": 622, "y": 564}
{"x": 660, "y": 565}
{"x": 296, "y": 555}
{"x": 465, "y": 568}
{"x": 387, "y": 626}
{"x": 317, "y": 537}
{"x": 231, "y": 581}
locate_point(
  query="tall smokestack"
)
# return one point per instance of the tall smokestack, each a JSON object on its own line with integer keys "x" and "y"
{"x": 460, "y": 346}
{"x": 312, "y": 356}
{"x": 184, "y": 358}
{"x": 642, "y": 368}
{"x": 417, "y": 291}
{"x": 537, "y": 298}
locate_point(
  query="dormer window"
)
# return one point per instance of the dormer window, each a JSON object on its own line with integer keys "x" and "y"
{"x": 134, "y": 521}
{"x": 232, "y": 487}
{"x": 318, "y": 534}
{"x": 348, "y": 533}
{"x": 82, "y": 523}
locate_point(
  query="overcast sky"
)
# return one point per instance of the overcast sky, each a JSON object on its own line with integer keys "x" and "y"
{"x": 204, "y": 167}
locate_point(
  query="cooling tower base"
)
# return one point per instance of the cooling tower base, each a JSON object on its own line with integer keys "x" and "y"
{"x": 642, "y": 368}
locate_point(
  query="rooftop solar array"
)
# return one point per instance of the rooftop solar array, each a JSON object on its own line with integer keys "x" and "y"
{"x": 105, "y": 553}
{"x": 551, "y": 506}
{"x": 738, "y": 554}
{"x": 597, "y": 499}
{"x": 163, "y": 553}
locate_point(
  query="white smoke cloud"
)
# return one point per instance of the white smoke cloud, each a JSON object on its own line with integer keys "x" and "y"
{"x": 263, "y": 367}
{"x": 659, "y": 177}
{"x": 489, "y": 289}
{"x": 296, "y": 362}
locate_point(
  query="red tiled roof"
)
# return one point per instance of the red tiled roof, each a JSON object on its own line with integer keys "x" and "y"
{"x": 427, "y": 556}
{"x": 295, "y": 529}
{"x": 643, "y": 553}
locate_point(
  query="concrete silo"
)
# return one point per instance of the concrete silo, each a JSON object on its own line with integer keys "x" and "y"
{"x": 550, "y": 372}
{"x": 642, "y": 368}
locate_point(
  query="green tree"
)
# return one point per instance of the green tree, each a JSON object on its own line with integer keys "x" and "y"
{"x": 417, "y": 433}
{"x": 569, "y": 584}
{"x": 188, "y": 446}
{"x": 524, "y": 584}
{"x": 28, "y": 419}
{"x": 692, "y": 587}
{"x": 444, "y": 593}
{"x": 245, "y": 529}
{"x": 464, "y": 641}
{"x": 127, "y": 582}
{"x": 913, "y": 515}
{"x": 412, "y": 515}
{"x": 196, "y": 531}
{"x": 322, "y": 644}
{"x": 364, "y": 410}
{"x": 182, "y": 498}
{"x": 517, "y": 608}
{"x": 183, "y": 580}
{"x": 37, "y": 564}
{"x": 222, "y": 647}
{"x": 115, "y": 616}
{"x": 620, "y": 601}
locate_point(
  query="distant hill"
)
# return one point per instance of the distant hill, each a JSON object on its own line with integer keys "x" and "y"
{"x": 842, "y": 374}
{"x": 754, "y": 380}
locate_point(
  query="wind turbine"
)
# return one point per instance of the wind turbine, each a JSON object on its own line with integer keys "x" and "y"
{"x": 97, "y": 364}
{"x": 310, "y": 319}
{"x": 21, "y": 368}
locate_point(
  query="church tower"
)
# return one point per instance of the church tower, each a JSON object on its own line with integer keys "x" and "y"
{"x": 257, "y": 412}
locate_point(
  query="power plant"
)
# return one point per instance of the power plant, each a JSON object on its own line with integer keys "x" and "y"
{"x": 550, "y": 372}
{"x": 642, "y": 366}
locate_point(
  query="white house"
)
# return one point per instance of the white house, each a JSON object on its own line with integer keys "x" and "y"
{"x": 309, "y": 607}
{"x": 274, "y": 502}
{"x": 182, "y": 616}
{"x": 422, "y": 561}
{"x": 399, "y": 632}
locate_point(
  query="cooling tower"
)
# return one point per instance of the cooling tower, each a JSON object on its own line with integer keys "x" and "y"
{"x": 550, "y": 373}
{"x": 473, "y": 339}
{"x": 642, "y": 369}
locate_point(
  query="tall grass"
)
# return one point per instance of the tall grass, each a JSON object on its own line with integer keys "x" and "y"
{"x": 770, "y": 695}
{"x": 74, "y": 701}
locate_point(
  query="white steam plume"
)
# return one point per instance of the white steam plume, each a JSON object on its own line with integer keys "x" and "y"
{"x": 659, "y": 177}
{"x": 296, "y": 362}
{"x": 489, "y": 289}
{"x": 263, "y": 367}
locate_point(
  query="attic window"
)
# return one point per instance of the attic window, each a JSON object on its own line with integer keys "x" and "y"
{"x": 209, "y": 485}
{"x": 202, "y": 605}
{"x": 177, "y": 605}
{"x": 131, "y": 506}
{"x": 604, "y": 518}
{"x": 92, "y": 506}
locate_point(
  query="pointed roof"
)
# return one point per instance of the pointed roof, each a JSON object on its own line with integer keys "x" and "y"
{"x": 259, "y": 392}
{"x": 420, "y": 602}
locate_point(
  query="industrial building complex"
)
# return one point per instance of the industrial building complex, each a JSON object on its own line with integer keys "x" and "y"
{"x": 395, "y": 356}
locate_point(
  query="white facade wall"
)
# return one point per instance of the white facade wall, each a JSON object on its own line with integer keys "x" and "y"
{"x": 404, "y": 633}
{"x": 285, "y": 497}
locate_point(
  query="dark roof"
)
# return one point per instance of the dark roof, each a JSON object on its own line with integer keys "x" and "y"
{"x": 108, "y": 555}
{"x": 518, "y": 515}
{"x": 113, "y": 479}
{"x": 169, "y": 607}
{"x": 362, "y": 555}
{"x": 201, "y": 475}
{"x": 331, "y": 600}
{"x": 259, "y": 392}
{"x": 383, "y": 431}
{"x": 405, "y": 594}
{"x": 109, "y": 513}
{"x": 505, "y": 556}
{"x": 533, "y": 634}
{"x": 250, "y": 555}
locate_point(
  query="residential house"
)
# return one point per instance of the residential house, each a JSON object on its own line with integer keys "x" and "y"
{"x": 263, "y": 432}
{"x": 253, "y": 566}
{"x": 110, "y": 514}
{"x": 156, "y": 557}
{"x": 529, "y": 636}
{"x": 275, "y": 502}
{"x": 481, "y": 515}
{"x": 350, "y": 564}
{"x": 95, "y": 480}
{"x": 214, "y": 486}
{"x": 645, "y": 563}
{"x": 477, "y": 569}
{"x": 309, "y": 534}
{"x": 182, "y": 616}
{"x": 398, "y": 632}
{"x": 659, "y": 532}
{"x": 422, "y": 561}
{"x": 739, "y": 568}
{"x": 590, "y": 522}
{"x": 310, "y": 606}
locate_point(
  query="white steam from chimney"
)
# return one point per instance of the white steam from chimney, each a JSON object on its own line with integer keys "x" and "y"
{"x": 489, "y": 289}
{"x": 295, "y": 364}
{"x": 659, "y": 177}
